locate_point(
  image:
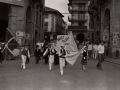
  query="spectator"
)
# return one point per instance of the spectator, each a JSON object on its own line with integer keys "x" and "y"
{"x": 90, "y": 50}
{"x": 101, "y": 49}
{"x": 95, "y": 51}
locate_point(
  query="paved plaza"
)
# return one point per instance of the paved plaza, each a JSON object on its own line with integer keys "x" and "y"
{"x": 38, "y": 77}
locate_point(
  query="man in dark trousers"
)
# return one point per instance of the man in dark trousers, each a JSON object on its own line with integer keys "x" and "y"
{"x": 37, "y": 54}
{"x": 101, "y": 50}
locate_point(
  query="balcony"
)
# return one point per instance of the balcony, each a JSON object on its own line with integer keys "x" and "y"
{"x": 77, "y": 19}
{"x": 101, "y": 2}
{"x": 70, "y": 9}
{"x": 93, "y": 5}
{"x": 77, "y": 28}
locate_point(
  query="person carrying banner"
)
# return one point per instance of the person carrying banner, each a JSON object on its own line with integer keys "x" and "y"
{"x": 62, "y": 54}
{"x": 37, "y": 54}
{"x": 84, "y": 58}
{"x": 24, "y": 54}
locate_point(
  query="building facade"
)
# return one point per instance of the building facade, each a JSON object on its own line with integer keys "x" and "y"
{"x": 79, "y": 19}
{"x": 105, "y": 24}
{"x": 24, "y": 18}
{"x": 54, "y": 24}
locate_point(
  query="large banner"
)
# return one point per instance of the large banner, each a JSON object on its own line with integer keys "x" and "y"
{"x": 72, "y": 52}
{"x": 13, "y": 2}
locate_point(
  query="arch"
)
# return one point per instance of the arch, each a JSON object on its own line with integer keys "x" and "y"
{"x": 106, "y": 31}
{"x": 28, "y": 18}
{"x": 28, "y": 13}
{"x": 28, "y": 30}
{"x": 107, "y": 16}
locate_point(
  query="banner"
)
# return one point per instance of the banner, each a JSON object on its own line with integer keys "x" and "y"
{"x": 10, "y": 44}
{"x": 72, "y": 52}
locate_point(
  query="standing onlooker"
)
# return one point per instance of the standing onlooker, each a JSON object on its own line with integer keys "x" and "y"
{"x": 90, "y": 50}
{"x": 62, "y": 54}
{"x": 95, "y": 51}
{"x": 100, "y": 55}
{"x": 84, "y": 58}
{"x": 24, "y": 54}
{"x": 106, "y": 48}
{"x": 37, "y": 54}
{"x": 28, "y": 59}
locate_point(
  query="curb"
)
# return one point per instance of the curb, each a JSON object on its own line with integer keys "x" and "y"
{"x": 112, "y": 62}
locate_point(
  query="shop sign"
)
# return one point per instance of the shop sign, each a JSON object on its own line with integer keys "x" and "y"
{"x": 19, "y": 33}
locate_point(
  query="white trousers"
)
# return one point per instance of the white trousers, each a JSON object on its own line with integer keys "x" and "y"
{"x": 95, "y": 54}
{"x": 62, "y": 64}
{"x": 23, "y": 61}
{"x": 51, "y": 60}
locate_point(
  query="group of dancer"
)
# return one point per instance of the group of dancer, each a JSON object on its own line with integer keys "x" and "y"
{"x": 47, "y": 52}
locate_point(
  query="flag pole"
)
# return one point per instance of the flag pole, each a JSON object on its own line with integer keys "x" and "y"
{"x": 5, "y": 45}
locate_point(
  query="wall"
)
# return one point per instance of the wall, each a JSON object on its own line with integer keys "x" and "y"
{"x": 114, "y": 7}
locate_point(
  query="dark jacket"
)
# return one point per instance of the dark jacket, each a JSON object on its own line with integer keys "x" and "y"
{"x": 63, "y": 53}
{"x": 37, "y": 53}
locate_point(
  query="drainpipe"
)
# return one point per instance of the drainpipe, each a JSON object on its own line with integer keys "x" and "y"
{"x": 100, "y": 24}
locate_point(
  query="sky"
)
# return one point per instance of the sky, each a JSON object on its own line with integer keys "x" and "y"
{"x": 60, "y": 5}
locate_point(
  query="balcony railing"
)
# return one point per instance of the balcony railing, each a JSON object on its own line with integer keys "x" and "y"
{"x": 77, "y": 28}
{"x": 70, "y": 19}
{"x": 70, "y": 9}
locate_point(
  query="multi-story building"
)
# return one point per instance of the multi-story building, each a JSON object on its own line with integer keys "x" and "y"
{"x": 105, "y": 23}
{"x": 79, "y": 18}
{"x": 54, "y": 23}
{"x": 24, "y": 18}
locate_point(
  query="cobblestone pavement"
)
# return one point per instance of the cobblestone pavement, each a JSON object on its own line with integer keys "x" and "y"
{"x": 38, "y": 77}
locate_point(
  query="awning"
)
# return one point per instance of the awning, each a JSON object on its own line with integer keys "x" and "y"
{"x": 13, "y": 2}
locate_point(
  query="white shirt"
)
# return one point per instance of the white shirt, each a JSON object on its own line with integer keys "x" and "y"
{"x": 101, "y": 49}
{"x": 95, "y": 47}
{"x": 39, "y": 44}
{"x": 90, "y": 47}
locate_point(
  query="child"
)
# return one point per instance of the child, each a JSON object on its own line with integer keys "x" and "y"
{"x": 84, "y": 58}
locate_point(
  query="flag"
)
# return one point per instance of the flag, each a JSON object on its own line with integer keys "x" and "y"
{"x": 72, "y": 52}
{"x": 10, "y": 44}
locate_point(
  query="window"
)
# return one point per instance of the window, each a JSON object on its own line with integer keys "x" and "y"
{"x": 81, "y": 16}
{"x": 37, "y": 17}
{"x": 46, "y": 26}
{"x": 46, "y": 15}
{"x": 81, "y": 6}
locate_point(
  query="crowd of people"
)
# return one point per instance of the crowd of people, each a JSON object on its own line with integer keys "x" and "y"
{"x": 94, "y": 51}
{"x": 45, "y": 51}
